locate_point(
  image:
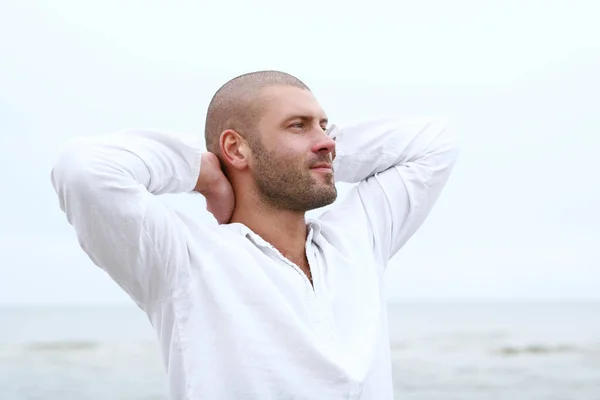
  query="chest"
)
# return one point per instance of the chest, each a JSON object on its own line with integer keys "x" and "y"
{"x": 331, "y": 293}
{"x": 254, "y": 289}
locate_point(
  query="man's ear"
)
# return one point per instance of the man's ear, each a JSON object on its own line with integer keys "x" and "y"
{"x": 234, "y": 149}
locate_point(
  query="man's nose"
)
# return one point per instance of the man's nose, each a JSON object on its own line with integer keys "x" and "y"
{"x": 324, "y": 143}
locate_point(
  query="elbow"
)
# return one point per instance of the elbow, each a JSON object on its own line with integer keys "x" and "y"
{"x": 446, "y": 136}
{"x": 71, "y": 171}
{"x": 445, "y": 146}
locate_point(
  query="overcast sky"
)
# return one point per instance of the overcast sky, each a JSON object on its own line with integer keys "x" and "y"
{"x": 520, "y": 79}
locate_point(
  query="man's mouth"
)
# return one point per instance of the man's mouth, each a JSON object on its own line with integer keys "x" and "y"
{"x": 322, "y": 167}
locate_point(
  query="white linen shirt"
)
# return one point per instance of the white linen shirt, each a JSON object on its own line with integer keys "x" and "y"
{"x": 234, "y": 318}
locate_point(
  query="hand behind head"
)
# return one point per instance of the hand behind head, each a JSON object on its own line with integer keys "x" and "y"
{"x": 216, "y": 188}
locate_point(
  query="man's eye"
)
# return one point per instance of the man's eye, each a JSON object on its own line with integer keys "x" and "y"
{"x": 299, "y": 125}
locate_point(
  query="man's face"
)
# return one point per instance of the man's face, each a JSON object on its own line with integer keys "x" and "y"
{"x": 288, "y": 148}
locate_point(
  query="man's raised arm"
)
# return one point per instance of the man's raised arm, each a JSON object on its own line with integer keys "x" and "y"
{"x": 106, "y": 186}
{"x": 401, "y": 167}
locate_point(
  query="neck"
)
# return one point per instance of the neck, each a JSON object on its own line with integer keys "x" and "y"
{"x": 285, "y": 230}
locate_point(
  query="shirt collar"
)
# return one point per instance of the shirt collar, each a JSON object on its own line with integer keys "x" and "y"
{"x": 314, "y": 230}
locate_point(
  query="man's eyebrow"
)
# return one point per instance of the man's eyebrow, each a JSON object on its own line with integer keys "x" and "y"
{"x": 323, "y": 120}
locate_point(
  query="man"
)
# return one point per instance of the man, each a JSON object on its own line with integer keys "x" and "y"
{"x": 267, "y": 304}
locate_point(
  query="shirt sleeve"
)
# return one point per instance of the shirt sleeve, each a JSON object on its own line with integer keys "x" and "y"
{"x": 107, "y": 187}
{"x": 399, "y": 168}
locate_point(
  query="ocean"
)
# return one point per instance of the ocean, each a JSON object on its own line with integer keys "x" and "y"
{"x": 441, "y": 351}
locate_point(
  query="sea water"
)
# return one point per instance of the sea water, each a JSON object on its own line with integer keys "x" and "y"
{"x": 440, "y": 351}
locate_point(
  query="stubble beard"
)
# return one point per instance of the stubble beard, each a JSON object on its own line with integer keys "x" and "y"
{"x": 285, "y": 185}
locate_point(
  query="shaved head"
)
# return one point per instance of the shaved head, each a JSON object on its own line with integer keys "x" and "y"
{"x": 237, "y": 105}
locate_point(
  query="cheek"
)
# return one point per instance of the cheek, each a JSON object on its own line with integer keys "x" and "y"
{"x": 288, "y": 155}
{"x": 289, "y": 152}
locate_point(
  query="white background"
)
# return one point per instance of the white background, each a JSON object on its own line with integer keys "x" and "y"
{"x": 520, "y": 79}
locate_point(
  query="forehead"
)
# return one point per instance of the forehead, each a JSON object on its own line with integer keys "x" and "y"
{"x": 283, "y": 102}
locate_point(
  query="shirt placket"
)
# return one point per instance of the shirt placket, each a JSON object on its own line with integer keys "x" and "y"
{"x": 319, "y": 316}
{"x": 317, "y": 301}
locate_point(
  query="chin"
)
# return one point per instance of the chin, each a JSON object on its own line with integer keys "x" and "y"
{"x": 327, "y": 199}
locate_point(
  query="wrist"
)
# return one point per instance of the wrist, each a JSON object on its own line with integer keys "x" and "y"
{"x": 210, "y": 170}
